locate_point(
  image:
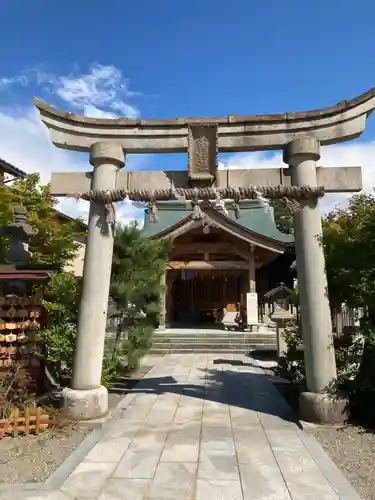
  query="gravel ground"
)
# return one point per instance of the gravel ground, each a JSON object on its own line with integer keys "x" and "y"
{"x": 353, "y": 450}
{"x": 33, "y": 458}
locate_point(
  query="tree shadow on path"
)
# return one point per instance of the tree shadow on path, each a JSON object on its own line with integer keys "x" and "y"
{"x": 252, "y": 391}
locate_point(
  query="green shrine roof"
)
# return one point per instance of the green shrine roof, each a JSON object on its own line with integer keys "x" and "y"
{"x": 254, "y": 217}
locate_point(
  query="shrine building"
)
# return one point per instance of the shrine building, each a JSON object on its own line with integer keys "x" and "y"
{"x": 224, "y": 255}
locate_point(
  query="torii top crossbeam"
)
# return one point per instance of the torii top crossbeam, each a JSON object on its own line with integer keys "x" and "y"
{"x": 341, "y": 122}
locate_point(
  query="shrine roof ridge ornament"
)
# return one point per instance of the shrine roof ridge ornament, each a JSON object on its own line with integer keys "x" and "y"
{"x": 344, "y": 121}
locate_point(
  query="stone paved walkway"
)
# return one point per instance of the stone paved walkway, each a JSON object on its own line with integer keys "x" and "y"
{"x": 203, "y": 428}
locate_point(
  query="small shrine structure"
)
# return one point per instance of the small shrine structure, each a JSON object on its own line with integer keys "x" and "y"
{"x": 222, "y": 260}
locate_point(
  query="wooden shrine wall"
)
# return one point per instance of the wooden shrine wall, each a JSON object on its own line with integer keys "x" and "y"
{"x": 205, "y": 291}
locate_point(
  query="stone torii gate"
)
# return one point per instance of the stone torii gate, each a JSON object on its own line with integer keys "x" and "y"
{"x": 299, "y": 135}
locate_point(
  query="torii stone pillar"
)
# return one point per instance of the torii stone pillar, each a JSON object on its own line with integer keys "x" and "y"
{"x": 87, "y": 398}
{"x": 301, "y": 155}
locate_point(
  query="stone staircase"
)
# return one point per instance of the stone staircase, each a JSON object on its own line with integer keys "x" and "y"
{"x": 212, "y": 341}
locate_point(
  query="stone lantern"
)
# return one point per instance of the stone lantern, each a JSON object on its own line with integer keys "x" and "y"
{"x": 281, "y": 298}
{"x": 19, "y": 232}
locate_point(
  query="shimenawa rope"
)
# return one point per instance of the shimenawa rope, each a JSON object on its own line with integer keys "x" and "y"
{"x": 290, "y": 195}
{"x": 250, "y": 193}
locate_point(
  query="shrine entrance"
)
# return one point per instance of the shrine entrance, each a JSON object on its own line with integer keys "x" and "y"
{"x": 197, "y": 297}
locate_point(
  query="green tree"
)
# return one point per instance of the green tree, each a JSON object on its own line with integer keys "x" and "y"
{"x": 55, "y": 243}
{"x": 349, "y": 244}
{"x": 138, "y": 264}
{"x": 283, "y": 216}
{"x": 137, "y": 267}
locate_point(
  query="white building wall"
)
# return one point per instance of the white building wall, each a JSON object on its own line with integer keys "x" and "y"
{"x": 76, "y": 265}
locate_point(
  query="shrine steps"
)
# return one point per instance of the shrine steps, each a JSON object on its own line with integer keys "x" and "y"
{"x": 211, "y": 341}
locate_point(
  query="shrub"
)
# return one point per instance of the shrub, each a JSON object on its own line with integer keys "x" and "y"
{"x": 291, "y": 365}
{"x": 361, "y": 389}
{"x": 61, "y": 299}
{"x": 355, "y": 360}
{"x": 139, "y": 342}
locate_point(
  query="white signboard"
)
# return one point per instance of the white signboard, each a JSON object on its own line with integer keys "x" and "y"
{"x": 252, "y": 308}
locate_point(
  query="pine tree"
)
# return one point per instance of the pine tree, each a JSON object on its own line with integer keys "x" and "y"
{"x": 137, "y": 267}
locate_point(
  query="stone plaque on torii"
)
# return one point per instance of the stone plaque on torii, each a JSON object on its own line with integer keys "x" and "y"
{"x": 299, "y": 135}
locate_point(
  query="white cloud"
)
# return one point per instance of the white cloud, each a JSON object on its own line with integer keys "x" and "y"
{"x": 94, "y": 112}
{"x": 16, "y": 80}
{"x": 24, "y": 142}
{"x": 348, "y": 154}
{"x": 126, "y": 213}
{"x": 102, "y": 92}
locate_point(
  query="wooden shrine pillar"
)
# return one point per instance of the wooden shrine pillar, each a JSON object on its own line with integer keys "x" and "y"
{"x": 163, "y": 300}
{"x": 252, "y": 283}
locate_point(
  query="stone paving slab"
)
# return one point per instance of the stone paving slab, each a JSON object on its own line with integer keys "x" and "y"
{"x": 198, "y": 427}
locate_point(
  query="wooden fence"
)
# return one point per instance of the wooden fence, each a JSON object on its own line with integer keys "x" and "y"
{"x": 346, "y": 317}
{"x": 32, "y": 422}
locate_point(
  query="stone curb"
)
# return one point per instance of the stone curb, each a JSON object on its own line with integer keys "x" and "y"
{"x": 60, "y": 475}
{"x": 332, "y": 473}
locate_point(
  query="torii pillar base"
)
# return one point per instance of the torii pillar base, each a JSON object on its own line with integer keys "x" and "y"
{"x": 323, "y": 408}
{"x": 89, "y": 404}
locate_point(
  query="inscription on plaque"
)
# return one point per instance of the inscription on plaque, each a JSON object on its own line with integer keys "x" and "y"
{"x": 202, "y": 153}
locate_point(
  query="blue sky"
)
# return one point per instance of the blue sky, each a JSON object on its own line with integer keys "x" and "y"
{"x": 171, "y": 58}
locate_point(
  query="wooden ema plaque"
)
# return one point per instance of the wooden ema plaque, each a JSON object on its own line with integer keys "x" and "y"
{"x": 22, "y": 316}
